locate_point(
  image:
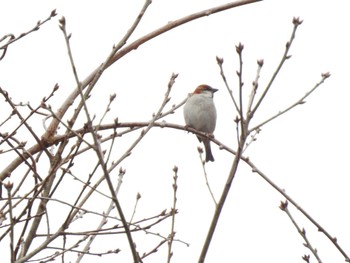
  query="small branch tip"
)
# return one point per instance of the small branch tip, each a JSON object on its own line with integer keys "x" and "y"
{"x": 219, "y": 60}
{"x": 175, "y": 169}
{"x": 62, "y": 22}
{"x": 283, "y": 206}
{"x": 239, "y": 48}
{"x": 297, "y": 21}
{"x": 326, "y": 75}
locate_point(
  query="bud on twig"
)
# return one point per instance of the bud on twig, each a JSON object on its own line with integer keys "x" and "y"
{"x": 62, "y": 23}
{"x": 8, "y": 186}
{"x": 326, "y": 75}
{"x": 283, "y": 205}
{"x": 175, "y": 169}
{"x": 122, "y": 171}
{"x": 239, "y": 48}
{"x": 112, "y": 97}
{"x": 287, "y": 44}
{"x": 260, "y": 62}
{"x": 116, "y": 121}
{"x": 56, "y": 87}
{"x": 297, "y": 21}
{"x": 172, "y": 80}
{"x": 53, "y": 13}
{"x": 237, "y": 119}
{"x": 219, "y": 60}
{"x": 306, "y": 258}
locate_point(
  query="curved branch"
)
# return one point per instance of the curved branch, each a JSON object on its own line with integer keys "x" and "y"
{"x": 176, "y": 23}
{"x": 134, "y": 45}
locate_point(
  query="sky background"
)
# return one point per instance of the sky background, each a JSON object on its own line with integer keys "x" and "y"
{"x": 304, "y": 152}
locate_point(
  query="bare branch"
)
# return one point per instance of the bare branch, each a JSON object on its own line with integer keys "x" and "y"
{"x": 12, "y": 38}
{"x": 301, "y": 101}
{"x": 291, "y": 200}
{"x": 296, "y": 22}
{"x": 173, "y": 212}
{"x": 200, "y": 150}
{"x": 255, "y": 85}
{"x": 302, "y": 232}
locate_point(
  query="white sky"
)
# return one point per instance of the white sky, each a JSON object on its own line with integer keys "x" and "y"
{"x": 303, "y": 152}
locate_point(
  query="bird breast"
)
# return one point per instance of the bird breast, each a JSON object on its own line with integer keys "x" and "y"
{"x": 200, "y": 113}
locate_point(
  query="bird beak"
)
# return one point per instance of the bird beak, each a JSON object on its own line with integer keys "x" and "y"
{"x": 214, "y": 90}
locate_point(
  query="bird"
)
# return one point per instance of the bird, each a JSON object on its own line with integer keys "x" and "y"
{"x": 200, "y": 114}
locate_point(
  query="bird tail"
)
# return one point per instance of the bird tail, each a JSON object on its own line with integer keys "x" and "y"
{"x": 208, "y": 155}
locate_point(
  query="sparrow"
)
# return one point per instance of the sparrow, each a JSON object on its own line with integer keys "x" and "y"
{"x": 200, "y": 114}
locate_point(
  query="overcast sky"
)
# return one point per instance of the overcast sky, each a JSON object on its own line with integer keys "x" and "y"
{"x": 305, "y": 151}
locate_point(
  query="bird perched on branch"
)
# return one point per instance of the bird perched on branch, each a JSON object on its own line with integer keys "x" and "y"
{"x": 200, "y": 114}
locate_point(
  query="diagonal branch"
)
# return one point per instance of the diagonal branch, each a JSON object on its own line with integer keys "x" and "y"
{"x": 302, "y": 232}
{"x": 283, "y": 193}
{"x": 297, "y": 22}
{"x": 299, "y": 102}
{"x": 12, "y": 38}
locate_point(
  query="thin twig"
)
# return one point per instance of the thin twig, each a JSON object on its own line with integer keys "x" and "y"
{"x": 239, "y": 50}
{"x": 291, "y": 200}
{"x": 13, "y": 39}
{"x": 296, "y": 22}
{"x": 200, "y": 151}
{"x": 8, "y": 187}
{"x": 298, "y": 102}
{"x": 154, "y": 250}
{"x": 138, "y": 196}
{"x": 255, "y": 86}
{"x": 173, "y": 212}
{"x": 302, "y": 232}
{"x": 220, "y": 62}
{"x": 253, "y": 138}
